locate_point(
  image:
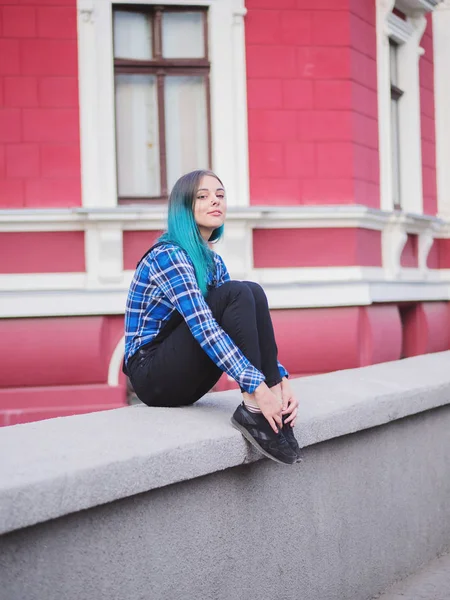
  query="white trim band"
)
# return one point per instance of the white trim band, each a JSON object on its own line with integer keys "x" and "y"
{"x": 291, "y": 296}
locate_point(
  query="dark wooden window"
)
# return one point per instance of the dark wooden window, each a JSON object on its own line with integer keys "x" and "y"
{"x": 396, "y": 95}
{"x": 161, "y": 70}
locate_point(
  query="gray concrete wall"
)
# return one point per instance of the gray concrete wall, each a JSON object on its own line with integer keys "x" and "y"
{"x": 369, "y": 504}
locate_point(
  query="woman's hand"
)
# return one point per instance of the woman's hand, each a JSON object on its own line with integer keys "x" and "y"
{"x": 290, "y": 404}
{"x": 270, "y": 406}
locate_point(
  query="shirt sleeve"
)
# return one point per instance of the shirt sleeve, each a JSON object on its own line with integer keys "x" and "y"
{"x": 223, "y": 271}
{"x": 174, "y": 274}
{"x": 282, "y": 370}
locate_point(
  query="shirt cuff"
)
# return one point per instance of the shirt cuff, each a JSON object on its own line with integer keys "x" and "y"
{"x": 249, "y": 379}
{"x": 282, "y": 370}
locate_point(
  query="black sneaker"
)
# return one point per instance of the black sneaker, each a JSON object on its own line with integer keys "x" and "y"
{"x": 288, "y": 433}
{"x": 256, "y": 429}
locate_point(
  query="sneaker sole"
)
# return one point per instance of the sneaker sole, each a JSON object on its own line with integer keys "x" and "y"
{"x": 254, "y": 443}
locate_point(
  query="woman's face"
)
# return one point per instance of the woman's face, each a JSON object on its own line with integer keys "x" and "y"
{"x": 210, "y": 207}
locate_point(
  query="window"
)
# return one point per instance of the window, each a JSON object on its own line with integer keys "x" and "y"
{"x": 396, "y": 94}
{"x": 162, "y": 109}
{"x": 399, "y": 119}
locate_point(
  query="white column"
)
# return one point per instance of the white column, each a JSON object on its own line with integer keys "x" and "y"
{"x": 240, "y": 109}
{"x": 384, "y": 9}
{"x": 104, "y": 255}
{"x": 229, "y": 98}
{"x": 410, "y": 133}
{"x": 441, "y": 40}
{"x": 96, "y": 93}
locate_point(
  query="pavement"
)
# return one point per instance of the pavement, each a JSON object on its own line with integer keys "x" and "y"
{"x": 430, "y": 583}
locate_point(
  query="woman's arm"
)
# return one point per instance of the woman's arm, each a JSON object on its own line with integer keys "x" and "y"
{"x": 282, "y": 370}
{"x": 173, "y": 272}
{"x": 223, "y": 271}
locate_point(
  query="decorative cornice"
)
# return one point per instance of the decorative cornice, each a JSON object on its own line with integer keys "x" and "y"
{"x": 154, "y": 217}
{"x": 414, "y": 7}
{"x": 398, "y": 29}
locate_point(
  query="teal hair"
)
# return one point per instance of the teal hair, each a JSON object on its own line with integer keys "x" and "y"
{"x": 182, "y": 229}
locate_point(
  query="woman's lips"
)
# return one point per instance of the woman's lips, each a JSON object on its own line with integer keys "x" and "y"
{"x": 215, "y": 213}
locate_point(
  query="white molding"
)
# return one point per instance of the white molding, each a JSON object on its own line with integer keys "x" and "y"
{"x": 103, "y": 288}
{"x": 283, "y": 276}
{"x": 394, "y": 239}
{"x": 410, "y": 133}
{"x": 154, "y": 217}
{"x": 104, "y": 254}
{"x": 414, "y": 7}
{"x": 408, "y": 35}
{"x": 115, "y": 364}
{"x": 96, "y": 84}
{"x": 383, "y": 11}
{"x": 60, "y": 303}
{"x": 398, "y": 29}
{"x": 395, "y": 236}
{"x": 289, "y": 295}
{"x": 441, "y": 49}
{"x": 31, "y": 282}
{"x": 96, "y": 104}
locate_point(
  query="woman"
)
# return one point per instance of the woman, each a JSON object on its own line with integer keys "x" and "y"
{"x": 186, "y": 322}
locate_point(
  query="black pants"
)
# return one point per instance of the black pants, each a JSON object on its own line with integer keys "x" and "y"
{"x": 173, "y": 370}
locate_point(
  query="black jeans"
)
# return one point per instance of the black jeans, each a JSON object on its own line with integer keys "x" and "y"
{"x": 173, "y": 370}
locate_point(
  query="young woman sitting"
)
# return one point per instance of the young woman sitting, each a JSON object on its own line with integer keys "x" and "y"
{"x": 186, "y": 322}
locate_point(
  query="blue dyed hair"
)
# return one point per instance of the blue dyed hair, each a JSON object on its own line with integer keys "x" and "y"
{"x": 182, "y": 229}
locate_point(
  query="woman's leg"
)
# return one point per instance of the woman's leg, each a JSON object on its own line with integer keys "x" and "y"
{"x": 177, "y": 371}
{"x": 269, "y": 356}
{"x": 266, "y": 335}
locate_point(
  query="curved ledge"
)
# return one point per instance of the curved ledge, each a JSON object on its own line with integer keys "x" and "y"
{"x": 60, "y": 466}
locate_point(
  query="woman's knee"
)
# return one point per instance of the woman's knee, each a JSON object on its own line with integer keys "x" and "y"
{"x": 236, "y": 288}
{"x": 230, "y": 294}
{"x": 258, "y": 293}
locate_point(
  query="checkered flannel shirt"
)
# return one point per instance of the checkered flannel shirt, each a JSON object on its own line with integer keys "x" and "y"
{"x": 165, "y": 281}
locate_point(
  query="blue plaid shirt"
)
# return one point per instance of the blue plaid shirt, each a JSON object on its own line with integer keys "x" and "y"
{"x": 165, "y": 281}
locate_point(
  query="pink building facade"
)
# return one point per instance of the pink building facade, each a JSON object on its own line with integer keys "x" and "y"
{"x": 329, "y": 123}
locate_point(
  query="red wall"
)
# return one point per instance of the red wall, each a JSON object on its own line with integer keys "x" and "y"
{"x": 42, "y": 252}
{"x": 135, "y": 244}
{"x": 39, "y": 122}
{"x": 312, "y": 103}
{"x": 339, "y": 247}
{"x": 427, "y": 122}
{"x": 57, "y": 367}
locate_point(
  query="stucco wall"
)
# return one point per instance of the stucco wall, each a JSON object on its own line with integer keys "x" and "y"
{"x": 39, "y": 120}
{"x": 177, "y": 507}
{"x": 312, "y": 103}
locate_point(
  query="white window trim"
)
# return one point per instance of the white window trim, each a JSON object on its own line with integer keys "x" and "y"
{"x": 408, "y": 35}
{"x": 228, "y": 97}
{"x": 441, "y": 41}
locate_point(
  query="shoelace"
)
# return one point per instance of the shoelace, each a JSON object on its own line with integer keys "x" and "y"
{"x": 281, "y": 439}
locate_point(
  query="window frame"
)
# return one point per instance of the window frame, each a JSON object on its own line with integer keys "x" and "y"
{"x": 161, "y": 67}
{"x": 396, "y": 95}
{"x": 406, "y": 31}
{"x": 228, "y": 98}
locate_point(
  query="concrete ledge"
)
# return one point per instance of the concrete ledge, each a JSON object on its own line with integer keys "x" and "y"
{"x": 60, "y": 466}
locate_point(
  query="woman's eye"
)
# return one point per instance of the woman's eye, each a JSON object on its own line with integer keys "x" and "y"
{"x": 201, "y": 197}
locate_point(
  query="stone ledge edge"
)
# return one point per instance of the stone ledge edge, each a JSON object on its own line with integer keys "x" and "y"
{"x": 85, "y": 487}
